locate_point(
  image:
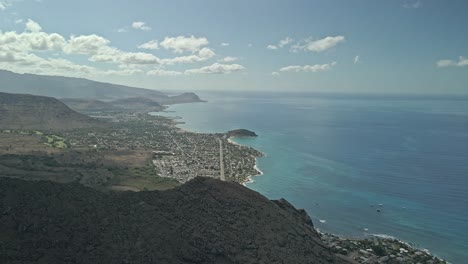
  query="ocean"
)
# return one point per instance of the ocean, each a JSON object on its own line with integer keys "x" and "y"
{"x": 342, "y": 157}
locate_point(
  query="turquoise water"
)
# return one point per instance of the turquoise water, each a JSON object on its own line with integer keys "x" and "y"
{"x": 339, "y": 157}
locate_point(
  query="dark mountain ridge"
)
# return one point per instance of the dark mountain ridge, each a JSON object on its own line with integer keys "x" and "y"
{"x": 203, "y": 221}
{"x": 137, "y": 103}
{"x": 68, "y": 87}
{"x": 131, "y": 103}
{"x": 88, "y": 105}
{"x": 23, "y": 111}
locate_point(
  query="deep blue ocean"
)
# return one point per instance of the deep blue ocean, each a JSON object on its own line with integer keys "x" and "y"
{"x": 341, "y": 157}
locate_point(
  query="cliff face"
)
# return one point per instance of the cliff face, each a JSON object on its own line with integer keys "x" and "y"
{"x": 203, "y": 221}
{"x": 22, "y": 111}
{"x": 182, "y": 98}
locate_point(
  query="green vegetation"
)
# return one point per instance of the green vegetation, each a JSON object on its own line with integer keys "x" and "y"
{"x": 378, "y": 250}
{"x": 55, "y": 141}
{"x": 150, "y": 184}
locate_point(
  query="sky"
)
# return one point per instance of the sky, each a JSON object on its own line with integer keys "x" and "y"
{"x": 352, "y": 46}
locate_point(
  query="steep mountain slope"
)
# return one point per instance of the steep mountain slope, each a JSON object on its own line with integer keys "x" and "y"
{"x": 203, "y": 221}
{"x": 137, "y": 103}
{"x": 89, "y": 105}
{"x": 66, "y": 87}
{"x": 182, "y": 98}
{"x": 22, "y": 111}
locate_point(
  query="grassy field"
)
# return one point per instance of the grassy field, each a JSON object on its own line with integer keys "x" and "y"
{"x": 34, "y": 155}
{"x": 55, "y": 141}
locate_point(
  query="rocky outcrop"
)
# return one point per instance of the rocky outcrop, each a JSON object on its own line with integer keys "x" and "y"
{"x": 241, "y": 133}
{"x": 181, "y": 98}
{"x": 203, "y": 221}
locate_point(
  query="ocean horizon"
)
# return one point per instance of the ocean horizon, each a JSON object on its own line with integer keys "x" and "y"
{"x": 359, "y": 164}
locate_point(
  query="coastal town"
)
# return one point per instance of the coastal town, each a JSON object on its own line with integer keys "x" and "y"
{"x": 377, "y": 249}
{"x": 137, "y": 151}
{"x": 177, "y": 154}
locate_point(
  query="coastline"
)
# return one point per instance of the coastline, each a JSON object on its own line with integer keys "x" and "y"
{"x": 361, "y": 251}
{"x": 378, "y": 248}
{"x": 367, "y": 249}
{"x": 175, "y": 123}
{"x": 249, "y": 178}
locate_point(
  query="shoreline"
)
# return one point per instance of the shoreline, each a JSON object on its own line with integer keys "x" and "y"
{"x": 334, "y": 240}
{"x": 362, "y": 253}
{"x": 378, "y": 248}
{"x": 249, "y": 178}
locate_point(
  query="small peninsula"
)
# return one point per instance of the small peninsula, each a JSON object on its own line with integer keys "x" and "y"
{"x": 241, "y": 133}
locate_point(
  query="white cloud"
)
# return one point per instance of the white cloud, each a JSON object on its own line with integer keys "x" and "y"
{"x": 308, "y": 68}
{"x": 203, "y": 55}
{"x": 26, "y": 52}
{"x": 31, "y": 63}
{"x": 182, "y": 44}
{"x": 124, "y": 72}
{"x": 229, "y": 59}
{"x": 117, "y": 56}
{"x": 160, "y": 72}
{"x": 33, "y": 26}
{"x": 318, "y": 45}
{"x": 281, "y": 44}
{"x": 285, "y": 42}
{"x": 206, "y": 53}
{"x": 140, "y": 25}
{"x": 4, "y": 4}
{"x": 462, "y": 61}
{"x": 272, "y": 47}
{"x": 445, "y": 63}
{"x": 225, "y": 44}
{"x": 86, "y": 44}
{"x": 249, "y": 45}
{"x": 100, "y": 51}
{"x": 19, "y": 21}
{"x": 92, "y": 45}
{"x": 30, "y": 41}
{"x": 216, "y": 68}
{"x": 416, "y": 4}
{"x": 275, "y": 73}
{"x": 122, "y": 30}
{"x": 153, "y": 45}
{"x": 356, "y": 59}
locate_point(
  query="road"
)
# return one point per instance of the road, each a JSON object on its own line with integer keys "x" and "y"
{"x": 221, "y": 160}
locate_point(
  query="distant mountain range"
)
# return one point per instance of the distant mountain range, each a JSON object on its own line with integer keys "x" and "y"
{"x": 23, "y": 111}
{"x": 86, "y": 106}
{"x": 67, "y": 87}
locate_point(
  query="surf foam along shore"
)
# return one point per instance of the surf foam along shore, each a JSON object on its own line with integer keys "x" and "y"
{"x": 378, "y": 249}
{"x": 249, "y": 178}
{"x": 374, "y": 248}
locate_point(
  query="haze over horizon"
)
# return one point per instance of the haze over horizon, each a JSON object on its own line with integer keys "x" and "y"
{"x": 417, "y": 46}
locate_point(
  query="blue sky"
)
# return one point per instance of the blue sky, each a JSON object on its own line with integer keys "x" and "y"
{"x": 355, "y": 46}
